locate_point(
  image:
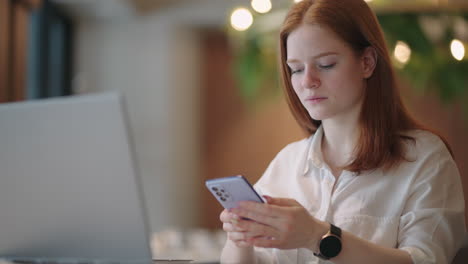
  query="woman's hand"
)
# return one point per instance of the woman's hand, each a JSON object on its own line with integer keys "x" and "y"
{"x": 234, "y": 233}
{"x": 281, "y": 223}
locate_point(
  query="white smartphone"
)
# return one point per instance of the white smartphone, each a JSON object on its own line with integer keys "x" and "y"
{"x": 231, "y": 190}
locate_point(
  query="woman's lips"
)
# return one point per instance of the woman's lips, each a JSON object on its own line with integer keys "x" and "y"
{"x": 316, "y": 99}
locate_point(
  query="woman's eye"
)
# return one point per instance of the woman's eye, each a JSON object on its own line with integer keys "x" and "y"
{"x": 327, "y": 66}
{"x": 293, "y": 71}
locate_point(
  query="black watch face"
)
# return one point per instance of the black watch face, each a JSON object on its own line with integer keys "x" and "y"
{"x": 330, "y": 246}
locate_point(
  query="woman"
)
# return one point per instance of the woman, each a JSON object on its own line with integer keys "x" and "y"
{"x": 370, "y": 185}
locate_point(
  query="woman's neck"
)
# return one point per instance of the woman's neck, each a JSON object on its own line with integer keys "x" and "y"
{"x": 339, "y": 141}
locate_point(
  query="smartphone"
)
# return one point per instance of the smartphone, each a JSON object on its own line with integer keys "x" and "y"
{"x": 229, "y": 191}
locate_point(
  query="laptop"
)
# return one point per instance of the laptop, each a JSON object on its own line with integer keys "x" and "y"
{"x": 69, "y": 192}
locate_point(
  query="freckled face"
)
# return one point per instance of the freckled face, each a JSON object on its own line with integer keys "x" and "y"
{"x": 326, "y": 74}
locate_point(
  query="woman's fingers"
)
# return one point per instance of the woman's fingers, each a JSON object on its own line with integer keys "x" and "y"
{"x": 282, "y": 223}
{"x": 243, "y": 237}
{"x": 265, "y": 242}
{"x": 270, "y": 210}
{"x": 225, "y": 216}
{"x": 228, "y": 217}
{"x": 246, "y": 229}
{"x": 243, "y": 243}
{"x": 229, "y": 227}
{"x": 264, "y": 216}
{"x": 237, "y": 236}
{"x": 254, "y": 229}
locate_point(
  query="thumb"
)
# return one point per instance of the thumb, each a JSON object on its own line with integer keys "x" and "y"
{"x": 280, "y": 201}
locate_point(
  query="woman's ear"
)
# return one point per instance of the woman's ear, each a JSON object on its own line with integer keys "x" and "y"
{"x": 369, "y": 61}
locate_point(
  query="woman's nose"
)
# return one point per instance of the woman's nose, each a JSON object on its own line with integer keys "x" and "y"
{"x": 310, "y": 80}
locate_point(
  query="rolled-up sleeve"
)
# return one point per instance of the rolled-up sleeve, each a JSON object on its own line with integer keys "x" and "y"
{"x": 432, "y": 225}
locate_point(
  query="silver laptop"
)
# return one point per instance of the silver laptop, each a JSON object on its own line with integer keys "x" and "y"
{"x": 69, "y": 192}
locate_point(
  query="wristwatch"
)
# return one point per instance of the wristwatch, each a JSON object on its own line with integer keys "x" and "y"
{"x": 330, "y": 244}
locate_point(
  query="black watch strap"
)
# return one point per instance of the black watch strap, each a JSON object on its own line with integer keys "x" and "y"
{"x": 335, "y": 230}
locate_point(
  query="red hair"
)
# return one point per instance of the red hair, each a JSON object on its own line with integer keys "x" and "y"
{"x": 383, "y": 116}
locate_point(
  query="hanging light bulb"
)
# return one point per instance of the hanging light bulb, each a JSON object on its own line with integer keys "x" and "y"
{"x": 261, "y": 6}
{"x": 402, "y": 52}
{"x": 458, "y": 49}
{"x": 241, "y": 19}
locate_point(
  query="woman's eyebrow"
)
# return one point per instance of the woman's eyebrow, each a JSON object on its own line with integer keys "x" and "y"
{"x": 323, "y": 54}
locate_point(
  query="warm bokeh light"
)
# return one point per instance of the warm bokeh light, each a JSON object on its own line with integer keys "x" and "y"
{"x": 297, "y": 1}
{"x": 241, "y": 19}
{"x": 261, "y": 6}
{"x": 368, "y": 1}
{"x": 402, "y": 52}
{"x": 458, "y": 49}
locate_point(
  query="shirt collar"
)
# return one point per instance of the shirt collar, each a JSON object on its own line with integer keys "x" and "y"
{"x": 315, "y": 150}
{"x": 313, "y": 153}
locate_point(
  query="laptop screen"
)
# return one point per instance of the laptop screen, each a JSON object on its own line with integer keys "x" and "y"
{"x": 68, "y": 187}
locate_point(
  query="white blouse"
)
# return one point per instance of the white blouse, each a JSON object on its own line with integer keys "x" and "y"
{"x": 417, "y": 207}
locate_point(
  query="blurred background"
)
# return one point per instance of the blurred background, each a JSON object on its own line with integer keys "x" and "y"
{"x": 201, "y": 82}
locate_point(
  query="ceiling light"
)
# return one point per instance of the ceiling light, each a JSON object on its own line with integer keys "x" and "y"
{"x": 458, "y": 49}
{"x": 241, "y": 19}
{"x": 261, "y": 6}
{"x": 402, "y": 52}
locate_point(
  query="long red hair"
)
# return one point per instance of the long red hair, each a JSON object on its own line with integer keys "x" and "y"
{"x": 383, "y": 116}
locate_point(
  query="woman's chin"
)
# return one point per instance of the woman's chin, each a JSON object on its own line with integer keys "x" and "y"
{"x": 318, "y": 116}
